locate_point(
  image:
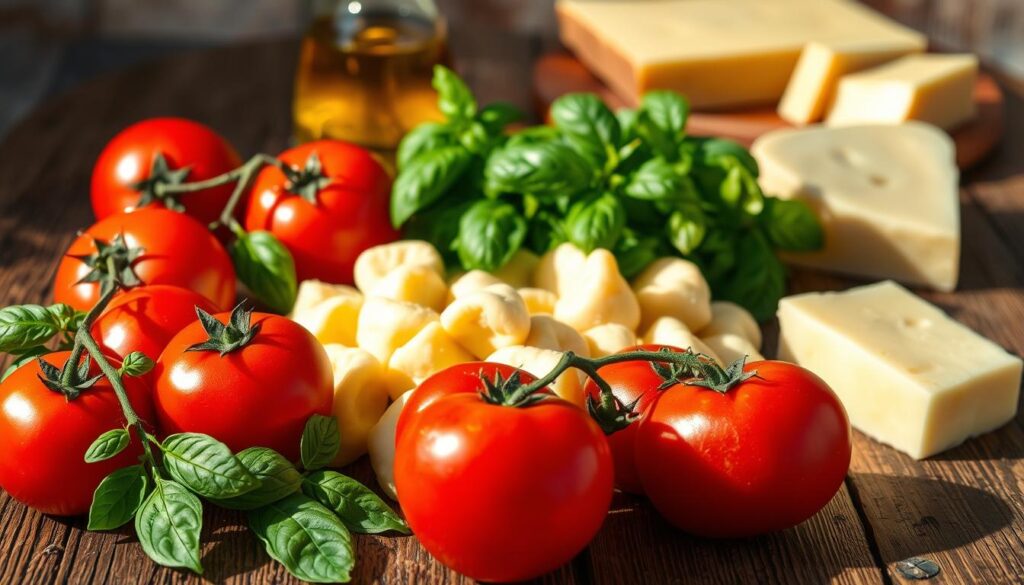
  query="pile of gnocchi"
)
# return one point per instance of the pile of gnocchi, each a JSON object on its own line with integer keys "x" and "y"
{"x": 404, "y": 321}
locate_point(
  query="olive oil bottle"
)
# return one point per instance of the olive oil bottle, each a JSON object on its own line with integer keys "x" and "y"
{"x": 365, "y": 69}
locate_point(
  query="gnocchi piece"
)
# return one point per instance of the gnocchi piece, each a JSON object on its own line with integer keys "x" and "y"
{"x": 375, "y": 263}
{"x": 335, "y": 319}
{"x": 488, "y": 319}
{"x": 313, "y": 292}
{"x": 518, "y": 272}
{"x": 730, "y": 347}
{"x": 727, "y": 317}
{"x": 381, "y": 446}
{"x": 558, "y": 269}
{"x": 470, "y": 282}
{"x": 538, "y": 361}
{"x": 428, "y": 352}
{"x": 673, "y": 287}
{"x": 609, "y": 338}
{"x": 360, "y": 398}
{"x": 538, "y": 301}
{"x": 599, "y": 295}
{"x": 672, "y": 331}
{"x": 385, "y": 325}
{"x": 413, "y": 284}
{"x": 548, "y": 333}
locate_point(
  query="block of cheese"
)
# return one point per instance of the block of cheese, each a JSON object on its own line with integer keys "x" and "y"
{"x": 908, "y": 375}
{"x": 938, "y": 89}
{"x": 719, "y": 53}
{"x": 812, "y": 86}
{"x": 887, "y": 197}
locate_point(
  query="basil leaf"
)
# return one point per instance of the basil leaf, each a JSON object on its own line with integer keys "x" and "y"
{"x": 453, "y": 96}
{"x": 496, "y": 116}
{"x": 320, "y": 441}
{"x": 423, "y": 138}
{"x": 67, "y": 317}
{"x": 168, "y": 525}
{"x": 107, "y": 445}
{"x": 206, "y": 466}
{"x": 137, "y": 364}
{"x": 627, "y": 124}
{"x": 490, "y": 232}
{"x": 356, "y": 505}
{"x": 686, "y": 229}
{"x": 655, "y": 180}
{"x": 545, "y": 233}
{"x": 792, "y": 225}
{"x": 587, "y": 125}
{"x": 533, "y": 135}
{"x": 438, "y": 225}
{"x": 717, "y": 151}
{"x": 22, "y": 357}
{"x": 634, "y": 253}
{"x": 305, "y": 537}
{"x": 277, "y": 476}
{"x": 667, "y": 110}
{"x": 541, "y": 168}
{"x": 595, "y": 222}
{"x": 757, "y": 281}
{"x": 117, "y": 498}
{"x": 425, "y": 179}
{"x": 740, "y": 190}
{"x": 267, "y": 269}
{"x": 26, "y": 326}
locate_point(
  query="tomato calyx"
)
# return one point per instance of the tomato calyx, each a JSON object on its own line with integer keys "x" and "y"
{"x": 307, "y": 181}
{"x": 226, "y": 338}
{"x": 160, "y": 173}
{"x": 69, "y": 381}
{"x": 510, "y": 392}
{"x": 112, "y": 265}
{"x": 704, "y": 372}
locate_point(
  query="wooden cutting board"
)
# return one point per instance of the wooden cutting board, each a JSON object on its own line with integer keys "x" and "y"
{"x": 556, "y": 74}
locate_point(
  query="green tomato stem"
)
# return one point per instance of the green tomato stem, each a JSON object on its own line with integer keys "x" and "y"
{"x": 77, "y": 349}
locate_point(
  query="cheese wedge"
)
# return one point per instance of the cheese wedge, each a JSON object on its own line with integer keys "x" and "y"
{"x": 718, "y": 53}
{"x": 886, "y": 195}
{"x": 908, "y": 375}
{"x": 812, "y": 87}
{"x": 938, "y": 89}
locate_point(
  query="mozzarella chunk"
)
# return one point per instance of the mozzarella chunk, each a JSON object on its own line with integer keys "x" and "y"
{"x": 470, "y": 282}
{"x": 672, "y": 331}
{"x": 375, "y": 263}
{"x": 385, "y": 325}
{"x": 673, "y": 287}
{"x": 730, "y": 318}
{"x": 360, "y": 398}
{"x": 609, "y": 338}
{"x": 335, "y": 319}
{"x": 413, "y": 284}
{"x": 382, "y": 446}
{"x": 538, "y": 301}
{"x": 558, "y": 270}
{"x": 598, "y": 295}
{"x": 548, "y": 333}
{"x": 428, "y": 352}
{"x": 538, "y": 361}
{"x": 313, "y": 292}
{"x": 730, "y": 347}
{"x": 518, "y": 272}
{"x": 488, "y": 319}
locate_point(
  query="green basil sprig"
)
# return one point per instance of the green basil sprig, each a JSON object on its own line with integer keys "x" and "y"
{"x": 266, "y": 268}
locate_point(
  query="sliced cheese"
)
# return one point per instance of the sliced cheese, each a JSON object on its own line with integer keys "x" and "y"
{"x": 812, "y": 87}
{"x": 716, "y": 52}
{"x": 908, "y": 375}
{"x": 938, "y": 89}
{"x": 887, "y": 197}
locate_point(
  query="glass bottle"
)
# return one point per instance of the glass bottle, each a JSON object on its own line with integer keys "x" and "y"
{"x": 365, "y": 69}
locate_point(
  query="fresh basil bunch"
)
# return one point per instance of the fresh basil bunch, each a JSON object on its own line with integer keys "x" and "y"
{"x": 632, "y": 182}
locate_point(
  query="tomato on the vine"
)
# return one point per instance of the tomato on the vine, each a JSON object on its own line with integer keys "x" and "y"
{"x": 44, "y": 436}
{"x": 162, "y": 150}
{"x": 148, "y": 246}
{"x": 248, "y": 379}
{"x": 146, "y": 318}
{"x": 330, "y": 208}
{"x": 761, "y": 456}
{"x": 503, "y": 492}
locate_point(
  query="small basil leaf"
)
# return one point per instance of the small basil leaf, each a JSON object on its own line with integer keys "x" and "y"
{"x": 667, "y": 110}
{"x": 425, "y": 179}
{"x": 655, "y": 180}
{"x": 137, "y": 364}
{"x": 423, "y": 138}
{"x": 67, "y": 317}
{"x": 356, "y": 505}
{"x": 634, "y": 253}
{"x": 545, "y": 233}
{"x": 533, "y": 135}
{"x": 541, "y": 168}
{"x": 206, "y": 466}
{"x": 26, "y": 326}
{"x": 320, "y": 441}
{"x": 792, "y": 225}
{"x": 305, "y": 537}
{"x": 117, "y": 498}
{"x": 490, "y": 232}
{"x": 267, "y": 269}
{"x": 168, "y": 525}
{"x": 22, "y": 357}
{"x": 717, "y": 151}
{"x": 496, "y": 116}
{"x": 438, "y": 225}
{"x": 588, "y": 125}
{"x": 453, "y": 96}
{"x": 595, "y": 222}
{"x": 107, "y": 445}
{"x": 686, "y": 229}
{"x": 277, "y": 476}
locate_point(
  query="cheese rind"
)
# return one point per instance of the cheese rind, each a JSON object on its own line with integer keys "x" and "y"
{"x": 938, "y": 89}
{"x": 908, "y": 375}
{"x": 887, "y": 196}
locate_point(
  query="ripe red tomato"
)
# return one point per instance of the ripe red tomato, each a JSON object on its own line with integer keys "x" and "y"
{"x": 503, "y": 493}
{"x": 629, "y": 381}
{"x": 324, "y": 227}
{"x": 44, "y": 436}
{"x": 260, "y": 394}
{"x": 175, "y": 250}
{"x": 763, "y": 456}
{"x": 146, "y": 318}
{"x": 130, "y": 159}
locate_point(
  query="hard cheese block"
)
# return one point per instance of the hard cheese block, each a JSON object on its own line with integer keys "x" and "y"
{"x": 908, "y": 375}
{"x": 938, "y": 89}
{"x": 718, "y": 53}
{"x": 812, "y": 86}
{"x": 887, "y": 197}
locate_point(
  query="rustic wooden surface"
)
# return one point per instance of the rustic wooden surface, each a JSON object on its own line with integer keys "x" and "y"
{"x": 963, "y": 509}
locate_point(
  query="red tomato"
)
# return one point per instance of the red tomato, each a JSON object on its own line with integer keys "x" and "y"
{"x": 763, "y": 456}
{"x": 457, "y": 379}
{"x": 128, "y": 160}
{"x": 501, "y": 493}
{"x": 175, "y": 250}
{"x": 258, "y": 395}
{"x": 344, "y": 217}
{"x": 44, "y": 436}
{"x": 146, "y": 318}
{"x": 629, "y": 381}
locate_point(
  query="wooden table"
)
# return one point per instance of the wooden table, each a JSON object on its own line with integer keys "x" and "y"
{"x": 963, "y": 509}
